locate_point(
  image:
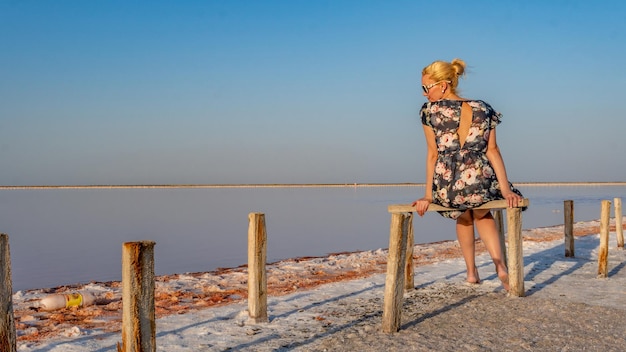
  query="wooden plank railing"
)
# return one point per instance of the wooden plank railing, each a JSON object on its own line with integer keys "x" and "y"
{"x": 399, "y": 272}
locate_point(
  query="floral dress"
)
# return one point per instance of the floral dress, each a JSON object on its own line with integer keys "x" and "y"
{"x": 463, "y": 176}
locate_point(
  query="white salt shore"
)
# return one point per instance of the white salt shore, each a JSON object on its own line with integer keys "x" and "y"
{"x": 342, "y": 314}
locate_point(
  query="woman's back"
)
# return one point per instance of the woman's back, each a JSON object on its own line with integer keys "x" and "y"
{"x": 463, "y": 177}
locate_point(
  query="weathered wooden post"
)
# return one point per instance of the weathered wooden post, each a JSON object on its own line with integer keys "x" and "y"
{"x": 619, "y": 229}
{"x": 7, "y": 321}
{"x": 257, "y": 275}
{"x": 394, "y": 281}
{"x": 568, "y": 231}
{"x": 515, "y": 255}
{"x": 497, "y": 216}
{"x": 138, "y": 317}
{"x": 409, "y": 270}
{"x": 603, "y": 251}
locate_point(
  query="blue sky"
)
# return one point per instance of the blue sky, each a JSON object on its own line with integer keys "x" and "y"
{"x": 159, "y": 92}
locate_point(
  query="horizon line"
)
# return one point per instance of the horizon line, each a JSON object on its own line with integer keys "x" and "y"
{"x": 295, "y": 185}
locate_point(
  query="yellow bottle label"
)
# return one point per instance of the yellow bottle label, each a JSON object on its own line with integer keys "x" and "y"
{"x": 73, "y": 300}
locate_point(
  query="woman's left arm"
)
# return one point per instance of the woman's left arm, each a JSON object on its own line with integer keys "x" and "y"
{"x": 495, "y": 158}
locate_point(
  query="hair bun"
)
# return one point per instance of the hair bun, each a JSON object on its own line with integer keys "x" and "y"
{"x": 459, "y": 66}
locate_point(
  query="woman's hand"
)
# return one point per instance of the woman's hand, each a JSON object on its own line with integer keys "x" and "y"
{"x": 512, "y": 199}
{"x": 421, "y": 205}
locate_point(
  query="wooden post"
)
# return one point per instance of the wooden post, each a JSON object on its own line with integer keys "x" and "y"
{"x": 515, "y": 257}
{"x": 497, "y": 216}
{"x": 7, "y": 321}
{"x": 568, "y": 231}
{"x": 619, "y": 229}
{"x": 409, "y": 270}
{"x": 257, "y": 275}
{"x": 138, "y": 318}
{"x": 394, "y": 281}
{"x": 603, "y": 251}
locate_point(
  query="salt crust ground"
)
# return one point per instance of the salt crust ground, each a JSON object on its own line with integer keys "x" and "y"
{"x": 335, "y": 304}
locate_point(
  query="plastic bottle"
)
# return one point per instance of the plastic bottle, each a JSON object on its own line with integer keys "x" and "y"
{"x": 74, "y": 299}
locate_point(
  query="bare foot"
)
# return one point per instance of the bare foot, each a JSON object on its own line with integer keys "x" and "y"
{"x": 472, "y": 276}
{"x": 504, "y": 277}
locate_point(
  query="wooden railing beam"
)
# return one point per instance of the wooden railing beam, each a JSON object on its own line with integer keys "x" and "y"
{"x": 494, "y": 204}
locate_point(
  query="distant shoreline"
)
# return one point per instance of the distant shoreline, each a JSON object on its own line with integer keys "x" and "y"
{"x": 297, "y": 185}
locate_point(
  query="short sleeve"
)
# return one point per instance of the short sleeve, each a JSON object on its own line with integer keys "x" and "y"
{"x": 493, "y": 116}
{"x": 425, "y": 115}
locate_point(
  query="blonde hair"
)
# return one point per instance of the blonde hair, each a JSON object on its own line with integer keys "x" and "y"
{"x": 446, "y": 71}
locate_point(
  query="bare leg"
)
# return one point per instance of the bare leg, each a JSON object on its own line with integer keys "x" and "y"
{"x": 488, "y": 232}
{"x": 465, "y": 235}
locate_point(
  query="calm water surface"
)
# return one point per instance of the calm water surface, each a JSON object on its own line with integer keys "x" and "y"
{"x": 67, "y": 236}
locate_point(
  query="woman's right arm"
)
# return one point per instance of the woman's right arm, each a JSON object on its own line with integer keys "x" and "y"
{"x": 421, "y": 205}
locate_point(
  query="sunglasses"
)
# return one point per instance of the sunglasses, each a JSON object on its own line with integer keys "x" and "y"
{"x": 427, "y": 88}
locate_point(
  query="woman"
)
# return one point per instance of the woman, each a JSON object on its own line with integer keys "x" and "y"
{"x": 464, "y": 167}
